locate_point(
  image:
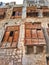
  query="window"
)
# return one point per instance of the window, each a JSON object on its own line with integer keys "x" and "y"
{"x": 40, "y": 49}
{"x": 40, "y": 34}
{"x": 32, "y": 14}
{"x": 46, "y": 14}
{"x": 32, "y": 11}
{"x": 34, "y": 36}
{"x": 10, "y": 38}
{"x": 17, "y": 12}
{"x": 3, "y": 13}
{"x": 11, "y": 33}
{"x": 13, "y": 14}
{"x": 29, "y": 49}
{"x": 33, "y": 33}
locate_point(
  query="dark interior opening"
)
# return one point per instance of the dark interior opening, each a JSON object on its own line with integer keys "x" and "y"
{"x": 46, "y": 14}
{"x": 32, "y": 14}
{"x": 29, "y": 50}
{"x": 11, "y": 33}
{"x": 47, "y": 58}
{"x": 38, "y": 29}
{"x": 48, "y": 25}
{"x": 40, "y": 49}
{"x": 13, "y": 14}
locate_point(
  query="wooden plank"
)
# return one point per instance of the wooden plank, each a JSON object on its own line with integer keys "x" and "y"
{"x": 17, "y": 9}
{"x": 28, "y": 42}
{"x": 34, "y": 33}
{"x": 6, "y": 36}
{"x": 40, "y": 33}
{"x": 35, "y": 41}
{"x": 33, "y": 8}
{"x": 28, "y": 33}
{"x": 10, "y": 39}
{"x": 16, "y": 36}
{"x": 12, "y": 28}
{"x": 42, "y": 41}
{"x": 36, "y": 25}
{"x": 28, "y": 25}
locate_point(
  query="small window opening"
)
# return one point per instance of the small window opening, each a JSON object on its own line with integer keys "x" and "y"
{"x": 38, "y": 29}
{"x": 11, "y": 33}
{"x": 13, "y": 14}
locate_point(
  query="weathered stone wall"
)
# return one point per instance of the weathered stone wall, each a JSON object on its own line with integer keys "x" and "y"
{"x": 9, "y": 56}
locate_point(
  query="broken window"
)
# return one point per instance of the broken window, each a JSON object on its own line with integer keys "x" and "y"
{"x": 10, "y": 38}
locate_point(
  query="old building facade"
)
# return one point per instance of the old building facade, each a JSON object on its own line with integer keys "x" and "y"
{"x": 24, "y": 33}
